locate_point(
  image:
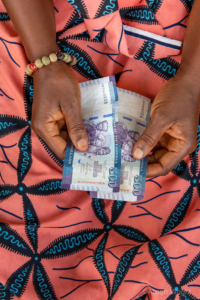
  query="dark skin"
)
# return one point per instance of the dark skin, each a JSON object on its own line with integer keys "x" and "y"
{"x": 56, "y": 111}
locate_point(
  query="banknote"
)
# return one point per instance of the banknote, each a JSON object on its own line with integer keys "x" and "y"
{"x": 98, "y": 168}
{"x": 133, "y": 117}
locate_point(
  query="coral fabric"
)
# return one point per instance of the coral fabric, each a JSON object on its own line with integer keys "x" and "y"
{"x": 58, "y": 244}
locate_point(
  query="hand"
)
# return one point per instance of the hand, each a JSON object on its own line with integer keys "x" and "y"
{"x": 56, "y": 110}
{"x": 172, "y": 132}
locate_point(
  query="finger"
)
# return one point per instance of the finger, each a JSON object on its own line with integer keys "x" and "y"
{"x": 64, "y": 134}
{"x": 50, "y": 133}
{"x": 61, "y": 123}
{"x": 148, "y": 140}
{"x": 76, "y": 127}
{"x": 156, "y": 156}
{"x": 165, "y": 164}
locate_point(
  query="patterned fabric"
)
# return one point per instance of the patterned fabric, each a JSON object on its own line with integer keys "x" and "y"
{"x": 58, "y": 244}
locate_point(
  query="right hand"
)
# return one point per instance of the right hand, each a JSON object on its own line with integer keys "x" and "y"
{"x": 56, "y": 110}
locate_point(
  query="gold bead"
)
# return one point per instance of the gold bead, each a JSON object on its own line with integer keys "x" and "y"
{"x": 29, "y": 72}
{"x": 46, "y": 61}
{"x": 67, "y": 58}
{"x": 73, "y": 62}
{"x": 53, "y": 57}
{"x": 38, "y": 63}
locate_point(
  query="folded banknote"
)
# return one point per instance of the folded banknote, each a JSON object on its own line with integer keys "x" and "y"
{"x": 114, "y": 119}
{"x": 98, "y": 168}
{"x": 133, "y": 117}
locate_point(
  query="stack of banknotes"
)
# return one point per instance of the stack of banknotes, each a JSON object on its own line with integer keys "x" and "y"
{"x": 114, "y": 119}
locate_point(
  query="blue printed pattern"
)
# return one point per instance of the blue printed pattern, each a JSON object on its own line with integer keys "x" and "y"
{"x": 98, "y": 206}
{"x": 117, "y": 209}
{"x": 188, "y": 4}
{"x": 85, "y": 66}
{"x": 5, "y": 193}
{"x": 131, "y": 233}
{"x": 47, "y": 187}
{"x": 198, "y": 141}
{"x": 140, "y": 14}
{"x": 154, "y": 5}
{"x": 74, "y": 20}
{"x": 5, "y": 294}
{"x": 162, "y": 261}
{"x": 192, "y": 272}
{"x": 163, "y": 67}
{"x": 106, "y": 7}
{"x": 31, "y": 222}
{"x": 71, "y": 244}
{"x": 77, "y": 241}
{"x": 9, "y": 124}
{"x": 80, "y": 7}
{"x": 4, "y": 17}
{"x": 42, "y": 284}
{"x": 178, "y": 213}
{"x": 99, "y": 38}
{"x": 99, "y": 262}
{"x": 18, "y": 280}
{"x": 25, "y": 159}
{"x": 11, "y": 240}
{"x": 123, "y": 267}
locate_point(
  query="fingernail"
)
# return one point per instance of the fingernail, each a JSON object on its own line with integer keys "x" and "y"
{"x": 82, "y": 144}
{"x": 138, "y": 153}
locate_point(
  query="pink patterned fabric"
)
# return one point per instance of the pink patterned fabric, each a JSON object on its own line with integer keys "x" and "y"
{"x": 58, "y": 244}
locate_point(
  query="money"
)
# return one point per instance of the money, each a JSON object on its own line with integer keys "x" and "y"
{"x": 134, "y": 115}
{"x": 114, "y": 119}
{"x": 98, "y": 168}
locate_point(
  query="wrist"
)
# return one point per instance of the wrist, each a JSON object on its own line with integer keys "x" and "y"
{"x": 39, "y": 50}
{"x": 189, "y": 81}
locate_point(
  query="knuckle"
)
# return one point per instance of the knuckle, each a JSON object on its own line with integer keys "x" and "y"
{"x": 193, "y": 146}
{"x": 165, "y": 172}
{"x": 76, "y": 128}
{"x": 148, "y": 139}
{"x": 35, "y": 126}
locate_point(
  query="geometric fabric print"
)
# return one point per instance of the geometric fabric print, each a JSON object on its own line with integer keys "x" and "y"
{"x": 4, "y": 17}
{"x": 154, "y": 5}
{"x": 28, "y": 96}
{"x": 18, "y": 280}
{"x": 86, "y": 37}
{"x": 165, "y": 68}
{"x": 140, "y": 14}
{"x": 123, "y": 268}
{"x": 99, "y": 261}
{"x": 98, "y": 206}
{"x": 163, "y": 263}
{"x": 25, "y": 158}
{"x": 106, "y": 7}
{"x": 74, "y": 20}
{"x": 80, "y": 7}
{"x": 10, "y": 124}
{"x": 188, "y": 4}
{"x": 178, "y": 213}
{"x": 5, "y": 294}
{"x": 85, "y": 66}
{"x": 146, "y": 52}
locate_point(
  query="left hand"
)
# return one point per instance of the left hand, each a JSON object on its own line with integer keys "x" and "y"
{"x": 172, "y": 132}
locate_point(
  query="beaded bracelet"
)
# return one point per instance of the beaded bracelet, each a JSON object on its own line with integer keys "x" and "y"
{"x": 46, "y": 60}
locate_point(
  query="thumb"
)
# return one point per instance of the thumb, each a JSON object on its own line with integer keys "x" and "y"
{"x": 148, "y": 140}
{"x": 76, "y": 128}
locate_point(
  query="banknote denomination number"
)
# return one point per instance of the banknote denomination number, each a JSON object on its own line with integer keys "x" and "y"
{"x": 137, "y": 185}
{"x": 112, "y": 177}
